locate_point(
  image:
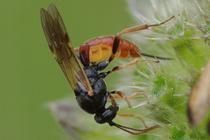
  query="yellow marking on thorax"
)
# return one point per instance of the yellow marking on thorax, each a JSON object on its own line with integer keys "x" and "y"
{"x": 100, "y": 52}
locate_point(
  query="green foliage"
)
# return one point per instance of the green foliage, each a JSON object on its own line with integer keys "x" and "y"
{"x": 187, "y": 42}
{"x": 159, "y": 85}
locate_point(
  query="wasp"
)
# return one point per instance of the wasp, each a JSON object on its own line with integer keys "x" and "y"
{"x": 82, "y": 67}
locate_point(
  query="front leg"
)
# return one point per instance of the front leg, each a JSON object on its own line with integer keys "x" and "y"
{"x": 113, "y": 109}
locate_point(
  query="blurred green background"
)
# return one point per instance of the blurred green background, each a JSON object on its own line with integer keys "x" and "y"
{"x": 29, "y": 76}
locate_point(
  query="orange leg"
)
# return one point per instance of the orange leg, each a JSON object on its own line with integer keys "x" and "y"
{"x": 113, "y": 102}
{"x": 129, "y": 115}
{"x": 130, "y": 30}
{"x": 133, "y": 62}
{"x": 135, "y": 131}
{"x": 121, "y": 95}
{"x": 134, "y": 95}
{"x": 130, "y": 130}
{"x": 122, "y": 66}
{"x": 142, "y": 27}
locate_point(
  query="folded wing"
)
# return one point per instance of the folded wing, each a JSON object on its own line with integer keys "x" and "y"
{"x": 60, "y": 45}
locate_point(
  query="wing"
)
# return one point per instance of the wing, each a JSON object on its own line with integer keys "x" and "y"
{"x": 60, "y": 45}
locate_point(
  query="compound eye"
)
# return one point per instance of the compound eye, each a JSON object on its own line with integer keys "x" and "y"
{"x": 110, "y": 113}
{"x": 107, "y": 116}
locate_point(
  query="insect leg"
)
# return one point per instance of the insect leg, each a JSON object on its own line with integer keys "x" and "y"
{"x": 142, "y": 27}
{"x": 113, "y": 102}
{"x": 124, "y": 65}
{"x": 133, "y": 131}
{"x": 130, "y": 130}
{"x": 115, "y": 47}
{"x": 121, "y": 95}
{"x": 119, "y": 67}
{"x": 129, "y": 30}
{"x": 129, "y": 115}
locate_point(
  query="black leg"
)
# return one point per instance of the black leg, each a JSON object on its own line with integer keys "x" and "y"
{"x": 115, "y": 47}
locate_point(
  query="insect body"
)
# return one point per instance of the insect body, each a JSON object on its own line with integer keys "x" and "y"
{"x": 108, "y": 47}
{"x": 87, "y": 80}
{"x": 96, "y": 104}
{"x": 101, "y": 48}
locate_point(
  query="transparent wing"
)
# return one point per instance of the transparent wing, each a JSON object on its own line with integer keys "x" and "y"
{"x": 60, "y": 45}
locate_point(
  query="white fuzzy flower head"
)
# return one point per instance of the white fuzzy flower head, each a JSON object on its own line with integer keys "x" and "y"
{"x": 156, "y": 10}
{"x": 193, "y": 13}
{"x": 186, "y": 39}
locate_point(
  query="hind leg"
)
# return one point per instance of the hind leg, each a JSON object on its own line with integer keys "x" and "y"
{"x": 142, "y": 27}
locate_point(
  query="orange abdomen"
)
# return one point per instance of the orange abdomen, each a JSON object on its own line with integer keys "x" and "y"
{"x": 100, "y": 49}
